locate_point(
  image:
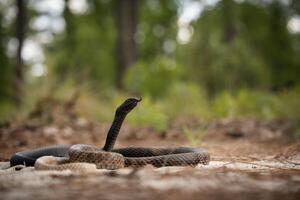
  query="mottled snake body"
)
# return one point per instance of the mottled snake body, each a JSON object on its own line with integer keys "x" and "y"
{"x": 83, "y": 157}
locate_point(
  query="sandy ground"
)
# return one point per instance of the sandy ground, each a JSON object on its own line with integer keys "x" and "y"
{"x": 243, "y": 166}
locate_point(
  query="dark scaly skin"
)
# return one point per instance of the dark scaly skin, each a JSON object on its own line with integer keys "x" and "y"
{"x": 120, "y": 115}
{"x": 113, "y": 133}
{"x": 164, "y": 156}
{"x": 134, "y": 156}
{"x": 29, "y": 157}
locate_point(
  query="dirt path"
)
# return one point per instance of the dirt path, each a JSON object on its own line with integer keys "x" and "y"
{"x": 232, "y": 175}
{"x": 240, "y": 168}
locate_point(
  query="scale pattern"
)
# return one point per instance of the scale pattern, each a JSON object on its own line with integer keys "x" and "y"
{"x": 88, "y": 158}
{"x": 81, "y": 157}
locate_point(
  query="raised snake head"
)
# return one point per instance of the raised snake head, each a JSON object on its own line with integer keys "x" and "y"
{"x": 128, "y": 105}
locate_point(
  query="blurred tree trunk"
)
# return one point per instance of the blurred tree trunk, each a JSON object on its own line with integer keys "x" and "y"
{"x": 20, "y": 35}
{"x": 229, "y": 16}
{"x": 127, "y": 19}
{"x": 6, "y": 72}
{"x": 70, "y": 40}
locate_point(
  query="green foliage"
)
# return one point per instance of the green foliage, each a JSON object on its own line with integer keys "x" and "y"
{"x": 223, "y": 105}
{"x": 6, "y": 77}
{"x": 245, "y": 103}
{"x": 150, "y": 114}
{"x": 288, "y": 106}
{"x": 263, "y": 105}
{"x": 186, "y": 99}
{"x": 157, "y": 27}
{"x": 154, "y": 77}
{"x": 182, "y": 100}
{"x": 238, "y": 51}
{"x": 248, "y": 46}
{"x": 258, "y": 104}
{"x": 7, "y": 111}
{"x": 85, "y": 49}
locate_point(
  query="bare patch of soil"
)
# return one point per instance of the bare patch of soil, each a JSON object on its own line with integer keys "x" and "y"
{"x": 249, "y": 160}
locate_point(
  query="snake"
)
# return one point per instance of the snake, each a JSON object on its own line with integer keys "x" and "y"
{"x": 83, "y": 157}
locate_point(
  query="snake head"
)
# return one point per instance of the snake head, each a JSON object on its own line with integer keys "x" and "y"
{"x": 128, "y": 105}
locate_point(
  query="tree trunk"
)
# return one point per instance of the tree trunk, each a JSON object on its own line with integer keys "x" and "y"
{"x": 229, "y": 15}
{"x": 20, "y": 35}
{"x": 127, "y": 18}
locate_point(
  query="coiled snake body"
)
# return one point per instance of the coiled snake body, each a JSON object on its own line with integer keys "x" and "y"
{"x": 81, "y": 157}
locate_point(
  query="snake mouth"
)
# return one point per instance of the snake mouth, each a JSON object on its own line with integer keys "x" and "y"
{"x": 133, "y": 100}
{"x": 139, "y": 99}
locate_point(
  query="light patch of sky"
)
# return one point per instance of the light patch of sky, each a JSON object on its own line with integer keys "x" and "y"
{"x": 48, "y": 23}
{"x": 32, "y": 52}
{"x": 38, "y": 70}
{"x": 294, "y": 24}
{"x": 54, "y": 7}
{"x": 78, "y": 6}
{"x": 184, "y": 34}
{"x": 190, "y": 10}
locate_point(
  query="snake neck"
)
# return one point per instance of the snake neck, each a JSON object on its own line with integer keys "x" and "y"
{"x": 114, "y": 131}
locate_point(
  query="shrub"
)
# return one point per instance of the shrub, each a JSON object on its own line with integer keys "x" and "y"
{"x": 186, "y": 99}
{"x": 154, "y": 78}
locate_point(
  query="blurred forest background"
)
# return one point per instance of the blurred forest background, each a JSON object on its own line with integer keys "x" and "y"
{"x": 204, "y": 60}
